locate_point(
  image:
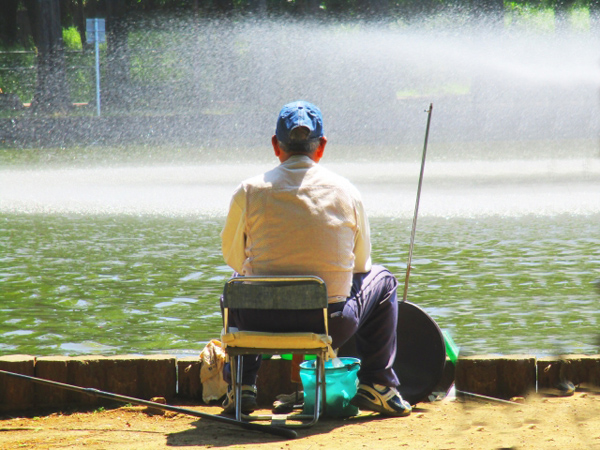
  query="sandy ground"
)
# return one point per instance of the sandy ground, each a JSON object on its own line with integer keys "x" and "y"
{"x": 538, "y": 422}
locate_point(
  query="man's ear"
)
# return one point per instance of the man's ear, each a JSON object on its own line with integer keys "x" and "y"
{"x": 276, "y": 147}
{"x": 321, "y": 149}
{"x": 283, "y": 156}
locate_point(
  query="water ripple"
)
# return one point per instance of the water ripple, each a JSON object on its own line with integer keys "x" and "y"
{"x": 124, "y": 284}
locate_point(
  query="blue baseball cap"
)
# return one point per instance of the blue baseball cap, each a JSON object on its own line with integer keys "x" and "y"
{"x": 299, "y": 114}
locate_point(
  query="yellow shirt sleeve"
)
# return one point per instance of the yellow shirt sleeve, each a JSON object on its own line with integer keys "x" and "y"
{"x": 233, "y": 235}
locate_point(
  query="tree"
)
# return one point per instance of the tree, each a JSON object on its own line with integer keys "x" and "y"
{"x": 258, "y": 7}
{"x": 51, "y": 92}
{"x": 117, "y": 55}
{"x": 72, "y": 13}
{"x": 373, "y": 9}
{"x": 8, "y": 22}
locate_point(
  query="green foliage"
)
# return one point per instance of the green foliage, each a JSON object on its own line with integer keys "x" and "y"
{"x": 21, "y": 79}
{"x": 541, "y": 16}
{"x": 580, "y": 19}
{"x": 81, "y": 75}
{"x": 72, "y": 39}
{"x": 161, "y": 68}
{"x": 533, "y": 17}
{"x": 446, "y": 89}
{"x": 151, "y": 59}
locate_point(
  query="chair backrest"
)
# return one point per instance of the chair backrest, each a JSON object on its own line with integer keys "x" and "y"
{"x": 275, "y": 292}
{"x": 304, "y": 292}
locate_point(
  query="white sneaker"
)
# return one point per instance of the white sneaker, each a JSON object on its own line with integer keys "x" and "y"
{"x": 383, "y": 399}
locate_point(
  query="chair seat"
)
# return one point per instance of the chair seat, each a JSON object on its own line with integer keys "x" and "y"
{"x": 284, "y": 341}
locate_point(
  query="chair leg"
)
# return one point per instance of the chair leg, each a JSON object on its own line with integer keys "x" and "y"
{"x": 320, "y": 404}
{"x": 318, "y": 387}
{"x": 233, "y": 368}
{"x": 324, "y": 387}
{"x": 236, "y": 384}
{"x": 238, "y": 390}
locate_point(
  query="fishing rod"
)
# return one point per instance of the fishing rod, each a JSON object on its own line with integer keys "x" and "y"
{"x": 278, "y": 431}
{"x": 414, "y": 224}
{"x": 487, "y": 398}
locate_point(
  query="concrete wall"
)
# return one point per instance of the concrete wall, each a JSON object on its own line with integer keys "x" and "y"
{"x": 165, "y": 376}
{"x": 136, "y": 376}
{"x": 519, "y": 375}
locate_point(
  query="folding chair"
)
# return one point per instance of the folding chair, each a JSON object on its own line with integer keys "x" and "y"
{"x": 287, "y": 294}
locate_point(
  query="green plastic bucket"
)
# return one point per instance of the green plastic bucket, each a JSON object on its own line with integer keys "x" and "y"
{"x": 341, "y": 386}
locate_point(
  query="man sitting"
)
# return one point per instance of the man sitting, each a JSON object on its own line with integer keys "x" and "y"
{"x": 302, "y": 219}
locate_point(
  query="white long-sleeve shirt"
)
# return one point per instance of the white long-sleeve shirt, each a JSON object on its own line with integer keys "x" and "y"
{"x": 298, "y": 219}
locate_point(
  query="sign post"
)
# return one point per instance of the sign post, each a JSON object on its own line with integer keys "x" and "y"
{"x": 95, "y": 33}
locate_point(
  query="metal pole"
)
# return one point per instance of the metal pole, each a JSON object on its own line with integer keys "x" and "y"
{"x": 414, "y": 224}
{"x": 284, "y": 432}
{"x": 96, "y": 39}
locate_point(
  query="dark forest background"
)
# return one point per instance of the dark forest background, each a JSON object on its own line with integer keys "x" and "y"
{"x": 190, "y": 58}
{"x": 40, "y": 48}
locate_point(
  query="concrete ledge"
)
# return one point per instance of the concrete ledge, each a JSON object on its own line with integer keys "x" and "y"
{"x": 55, "y": 368}
{"x": 166, "y": 376}
{"x": 121, "y": 374}
{"x": 501, "y": 377}
{"x": 274, "y": 378}
{"x": 188, "y": 378}
{"x": 579, "y": 369}
{"x": 157, "y": 377}
{"x": 16, "y": 394}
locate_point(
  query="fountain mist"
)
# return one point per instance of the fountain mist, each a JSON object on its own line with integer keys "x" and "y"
{"x": 489, "y": 85}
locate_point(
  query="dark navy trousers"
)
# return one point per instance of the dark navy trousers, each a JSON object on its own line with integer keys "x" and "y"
{"x": 370, "y": 313}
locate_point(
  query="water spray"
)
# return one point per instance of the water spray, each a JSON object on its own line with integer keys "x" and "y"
{"x": 414, "y": 224}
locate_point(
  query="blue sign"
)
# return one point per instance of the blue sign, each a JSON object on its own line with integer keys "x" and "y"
{"x": 95, "y": 30}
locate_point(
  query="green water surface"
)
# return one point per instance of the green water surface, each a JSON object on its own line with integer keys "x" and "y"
{"x": 81, "y": 284}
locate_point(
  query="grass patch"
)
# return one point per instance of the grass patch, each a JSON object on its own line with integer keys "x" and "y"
{"x": 542, "y": 19}
{"x": 447, "y": 89}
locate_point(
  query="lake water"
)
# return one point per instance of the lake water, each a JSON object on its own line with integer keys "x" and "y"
{"x": 127, "y": 259}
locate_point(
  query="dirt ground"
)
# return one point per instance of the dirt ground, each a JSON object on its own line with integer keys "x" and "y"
{"x": 539, "y": 422}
